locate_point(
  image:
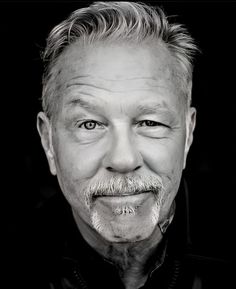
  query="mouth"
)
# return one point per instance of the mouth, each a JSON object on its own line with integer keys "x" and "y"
{"x": 123, "y": 195}
{"x": 125, "y": 202}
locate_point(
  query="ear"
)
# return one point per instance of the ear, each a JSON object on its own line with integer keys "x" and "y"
{"x": 45, "y": 132}
{"x": 190, "y": 126}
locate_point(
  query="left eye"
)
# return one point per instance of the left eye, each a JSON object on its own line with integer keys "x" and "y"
{"x": 149, "y": 123}
{"x": 89, "y": 125}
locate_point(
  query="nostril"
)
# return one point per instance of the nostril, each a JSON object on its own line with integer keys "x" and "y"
{"x": 110, "y": 169}
{"x": 137, "y": 168}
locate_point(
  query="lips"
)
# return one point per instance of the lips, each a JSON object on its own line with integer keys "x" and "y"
{"x": 125, "y": 194}
{"x": 121, "y": 202}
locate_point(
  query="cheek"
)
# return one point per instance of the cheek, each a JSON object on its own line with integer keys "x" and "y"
{"x": 164, "y": 156}
{"x": 81, "y": 162}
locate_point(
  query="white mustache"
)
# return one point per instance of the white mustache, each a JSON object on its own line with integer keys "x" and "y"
{"x": 121, "y": 186}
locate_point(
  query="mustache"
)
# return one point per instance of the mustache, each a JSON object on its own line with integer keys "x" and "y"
{"x": 122, "y": 185}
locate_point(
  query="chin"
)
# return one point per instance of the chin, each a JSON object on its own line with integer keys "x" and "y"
{"x": 126, "y": 228}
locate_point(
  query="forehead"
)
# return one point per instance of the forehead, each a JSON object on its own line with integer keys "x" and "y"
{"x": 116, "y": 68}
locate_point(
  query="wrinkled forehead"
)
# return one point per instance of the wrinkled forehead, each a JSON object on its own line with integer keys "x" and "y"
{"x": 118, "y": 67}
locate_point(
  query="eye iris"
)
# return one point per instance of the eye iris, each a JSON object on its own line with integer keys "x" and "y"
{"x": 90, "y": 125}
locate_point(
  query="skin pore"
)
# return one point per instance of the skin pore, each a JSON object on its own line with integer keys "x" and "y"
{"x": 120, "y": 116}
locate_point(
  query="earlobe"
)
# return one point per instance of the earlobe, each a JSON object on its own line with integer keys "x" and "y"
{"x": 190, "y": 126}
{"x": 44, "y": 129}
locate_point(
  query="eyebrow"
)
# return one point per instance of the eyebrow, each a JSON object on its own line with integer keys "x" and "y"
{"x": 156, "y": 108}
{"x": 79, "y": 101}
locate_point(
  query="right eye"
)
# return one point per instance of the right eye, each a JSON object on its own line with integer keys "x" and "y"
{"x": 89, "y": 125}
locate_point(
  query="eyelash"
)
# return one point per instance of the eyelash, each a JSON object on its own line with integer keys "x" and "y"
{"x": 156, "y": 123}
{"x": 149, "y": 123}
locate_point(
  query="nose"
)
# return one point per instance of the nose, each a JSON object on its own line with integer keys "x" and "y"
{"x": 123, "y": 156}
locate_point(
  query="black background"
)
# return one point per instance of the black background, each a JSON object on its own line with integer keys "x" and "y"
{"x": 211, "y": 163}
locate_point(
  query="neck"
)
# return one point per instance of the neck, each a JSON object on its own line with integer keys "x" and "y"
{"x": 133, "y": 259}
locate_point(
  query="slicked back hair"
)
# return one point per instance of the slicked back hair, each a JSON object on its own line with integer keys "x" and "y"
{"x": 117, "y": 21}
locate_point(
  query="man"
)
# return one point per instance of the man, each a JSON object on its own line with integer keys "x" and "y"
{"x": 117, "y": 125}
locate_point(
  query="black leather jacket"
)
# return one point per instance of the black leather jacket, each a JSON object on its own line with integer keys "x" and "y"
{"x": 55, "y": 256}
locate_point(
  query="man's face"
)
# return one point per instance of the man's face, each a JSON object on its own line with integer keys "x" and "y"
{"x": 120, "y": 138}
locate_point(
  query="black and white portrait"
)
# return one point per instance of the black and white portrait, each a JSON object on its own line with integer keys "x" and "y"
{"x": 119, "y": 127}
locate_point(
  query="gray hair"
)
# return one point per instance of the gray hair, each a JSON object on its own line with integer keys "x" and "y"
{"x": 117, "y": 21}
